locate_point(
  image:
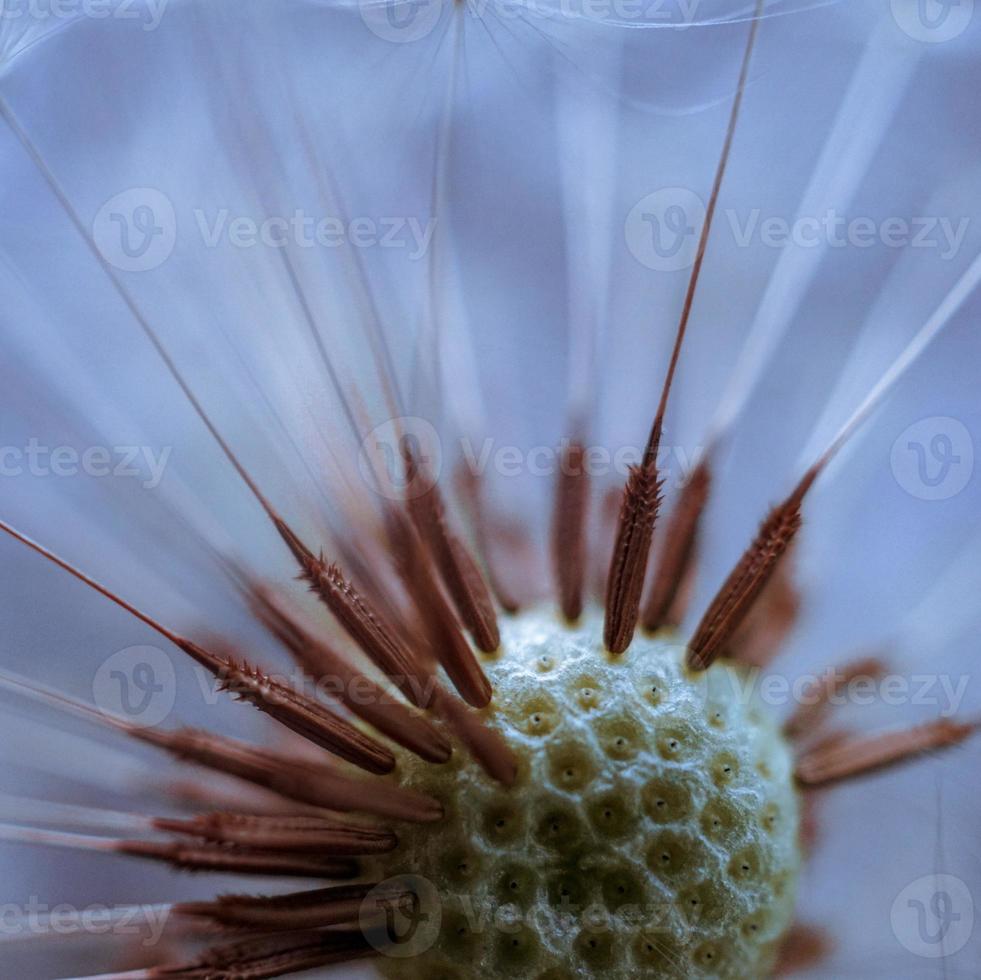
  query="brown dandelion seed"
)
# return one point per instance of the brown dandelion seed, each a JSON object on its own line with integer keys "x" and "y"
{"x": 808, "y": 717}
{"x": 306, "y": 782}
{"x": 292, "y": 709}
{"x": 846, "y": 758}
{"x": 222, "y": 859}
{"x": 803, "y": 948}
{"x": 457, "y": 568}
{"x": 304, "y": 834}
{"x": 635, "y": 529}
{"x": 470, "y": 489}
{"x": 380, "y": 643}
{"x": 747, "y": 580}
{"x": 641, "y": 498}
{"x": 487, "y": 746}
{"x": 438, "y": 620}
{"x": 318, "y": 909}
{"x": 372, "y": 704}
{"x": 312, "y": 783}
{"x": 306, "y": 717}
{"x": 571, "y": 509}
{"x": 259, "y": 959}
{"x": 677, "y": 549}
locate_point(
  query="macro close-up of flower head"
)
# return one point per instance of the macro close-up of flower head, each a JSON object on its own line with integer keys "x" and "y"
{"x": 487, "y": 489}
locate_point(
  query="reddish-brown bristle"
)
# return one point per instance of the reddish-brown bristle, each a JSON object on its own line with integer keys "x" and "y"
{"x": 470, "y": 490}
{"x": 487, "y": 745}
{"x": 301, "y": 834}
{"x": 803, "y": 948}
{"x": 639, "y": 511}
{"x": 295, "y": 711}
{"x": 485, "y": 631}
{"x": 267, "y": 957}
{"x": 628, "y": 564}
{"x": 745, "y": 583}
{"x": 808, "y": 718}
{"x": 438, "y": 620}
{"x": 569, "y": 529}
{"x": 379, "y": 642}
{"x": 317, "y": 909}
{"x": 764, "y": 631}
{"x": 457, "y": 568}
{"x": 239, "y": 860}
{"x": 305, "y": 782}
{"x": 371, "y": 702}
{"x": 847, "y": 758}
{"x": 303, "y": 715}
{"x": 677, "y": 549}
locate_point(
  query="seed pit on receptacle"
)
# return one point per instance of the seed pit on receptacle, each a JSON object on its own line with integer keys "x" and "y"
{"x": 668, "y": 798}
{"x": 610, "y": 813}
{"x": 568, "y": 890}
{"x": 725, "y": 768}
{"x": 721, "y": 818}
{"x": 537, "y": 714}
{"x": 657, "y": 950}
{"x": 559, "y": 827}
{"x": 673, "y": 854}
{"x": 571, "y": 766}
{"x": 623, "y": 886}
{"x": 503, "y": 823}
{"x": 745, "y": 864}
{"x": 770, "y": 818}
{"x": 652, "y": 687}
{"x": 459, "y": 937}
{"x": 677, "y": 741}
{"x": 517, "y": 949}
{"x": 702, "y": 902}
{"x": 462, "y": 866}
{"x": 595, "y": 948}
{"x": 587, "y": 693}
{"x": 709, "y": 956}
{"x": 620, "y": 738}
{"x": 517, "y": 883}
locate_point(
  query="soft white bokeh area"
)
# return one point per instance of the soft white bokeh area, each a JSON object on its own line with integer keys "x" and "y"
{"x": 529, "y": 134}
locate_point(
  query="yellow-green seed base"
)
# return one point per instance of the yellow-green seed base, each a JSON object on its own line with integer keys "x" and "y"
{"x": 653, "y": 830}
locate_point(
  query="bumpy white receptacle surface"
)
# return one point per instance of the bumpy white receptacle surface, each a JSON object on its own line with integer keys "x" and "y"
{"x": 653, "y": 830}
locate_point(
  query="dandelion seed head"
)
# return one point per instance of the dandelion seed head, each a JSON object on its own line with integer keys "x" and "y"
{"x": 654, "y": 820}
